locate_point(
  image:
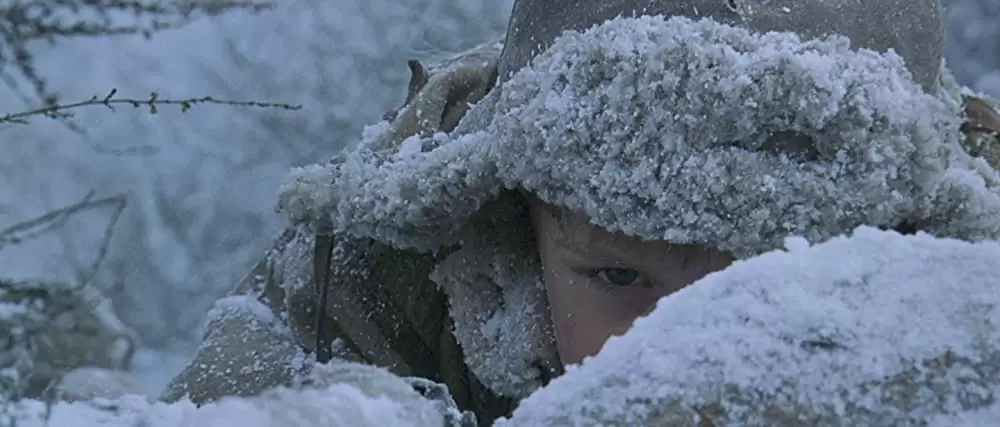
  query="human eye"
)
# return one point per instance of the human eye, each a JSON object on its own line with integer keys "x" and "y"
{"x": 619, "y": 277}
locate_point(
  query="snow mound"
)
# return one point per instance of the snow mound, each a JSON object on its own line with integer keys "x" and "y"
{"x": 872, "y": 329}
{"x": 89, "y": 382}
{"x": 347, "y": 395}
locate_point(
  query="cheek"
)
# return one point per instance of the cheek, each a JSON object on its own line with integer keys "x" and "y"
{"x": 583, "y": 318}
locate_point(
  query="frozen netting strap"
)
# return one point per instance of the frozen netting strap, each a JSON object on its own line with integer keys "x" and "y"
{"x": 875, "y": 329}
{"x": 688, "y": 131}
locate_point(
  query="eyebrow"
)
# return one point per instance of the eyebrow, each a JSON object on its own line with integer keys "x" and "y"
{"x": 597, "y": 250}
{"x": 596, "y": 245}
{"x": 613, "y": 251}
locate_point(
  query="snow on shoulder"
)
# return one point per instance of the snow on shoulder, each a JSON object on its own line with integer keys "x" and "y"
{"x": 872, "y": 329}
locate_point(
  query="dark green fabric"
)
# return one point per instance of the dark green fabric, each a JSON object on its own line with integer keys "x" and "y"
{"x": 396, "y": 294}
{"x": 423, "y": 334}
{"x": 393, "y": 286}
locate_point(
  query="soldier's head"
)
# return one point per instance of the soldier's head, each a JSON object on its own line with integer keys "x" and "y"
{"x": 598, "y": 282}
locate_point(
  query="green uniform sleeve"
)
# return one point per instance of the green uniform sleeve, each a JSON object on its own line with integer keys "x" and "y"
{"x": 252, "y": 341}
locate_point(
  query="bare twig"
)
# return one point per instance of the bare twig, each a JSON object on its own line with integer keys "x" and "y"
{"x": 66, "y": 239}
{"x": 59, "y": 111}
{"x": 102, "y": 250}
{"x": 34, "y": 227}
{"x": 25, "y": 21}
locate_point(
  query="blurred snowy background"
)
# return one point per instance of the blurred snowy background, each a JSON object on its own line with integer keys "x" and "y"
{"x": 201, "y": 186}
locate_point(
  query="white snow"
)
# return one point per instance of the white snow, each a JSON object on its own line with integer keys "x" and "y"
{"x": 409, "y": 147}
{"x": 344, "y": 395}
{"x": 154, "y": 368}
{"x": 875, "y": 329}
{"x": 336, "y": 406}
{"x": 90, "y": 383}
{"x": 247, "y": 305}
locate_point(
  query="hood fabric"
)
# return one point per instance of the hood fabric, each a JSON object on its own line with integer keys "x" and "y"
{"x": 693, "y": 132}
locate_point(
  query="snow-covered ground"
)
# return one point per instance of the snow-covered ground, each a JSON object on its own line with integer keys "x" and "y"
{"x": 201, "y": 186}
{"x": 355, "y": 396}
{"x": 871, "y": 329}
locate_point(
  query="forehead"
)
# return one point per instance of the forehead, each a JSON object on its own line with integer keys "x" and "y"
{"x": 571, "y": 236}
{"x": 573, "y": 231}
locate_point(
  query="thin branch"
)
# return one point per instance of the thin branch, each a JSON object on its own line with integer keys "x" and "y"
{"x": 39, "y": 225}
{"x": 25, "y": 21}
{"x": 60, "y": 111}
{"x": 66, "y": 239}
{"x": 102, "y": 251}
{"x": 34, "y": 227}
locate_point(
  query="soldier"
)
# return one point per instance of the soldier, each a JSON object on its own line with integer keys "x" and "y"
{"x": 485, "y": 251}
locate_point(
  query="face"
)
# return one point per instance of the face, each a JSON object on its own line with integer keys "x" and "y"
{"x": 599, "y": 282}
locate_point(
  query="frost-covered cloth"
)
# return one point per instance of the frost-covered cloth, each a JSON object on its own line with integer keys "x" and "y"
{"x": 875, "y": 329}
{"x": 668, "y": 129}
{"x": 343, "y": 395}
{"x": 245, "y": 351}
{"x": 675, "y": 130}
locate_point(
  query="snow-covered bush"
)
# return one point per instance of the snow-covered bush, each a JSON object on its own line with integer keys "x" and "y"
{"x": 26, "y": 308}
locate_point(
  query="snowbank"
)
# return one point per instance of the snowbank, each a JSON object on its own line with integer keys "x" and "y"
{"x": 871, "y": 329}
{"x": 345, "y": 395}
{"x": 875, "y": 329}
